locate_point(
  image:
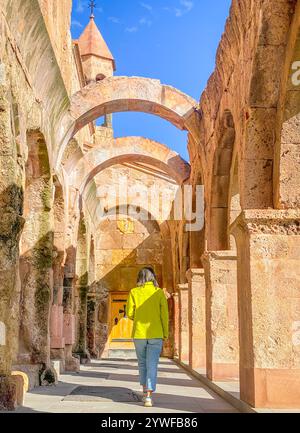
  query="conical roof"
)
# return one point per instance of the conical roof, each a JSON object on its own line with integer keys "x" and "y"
{"x": 91, "y": 42}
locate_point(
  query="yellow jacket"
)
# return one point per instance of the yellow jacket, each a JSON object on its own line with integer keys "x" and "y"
{"x": 147, "y": 306}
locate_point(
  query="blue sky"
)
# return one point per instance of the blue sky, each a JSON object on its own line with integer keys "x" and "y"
{"x": 171, "y": 40}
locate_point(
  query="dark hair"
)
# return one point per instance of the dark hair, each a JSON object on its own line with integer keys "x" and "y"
{"x": 146, "y": 275}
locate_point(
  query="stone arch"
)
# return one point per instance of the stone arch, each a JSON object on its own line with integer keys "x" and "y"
{"x": 218, "y": 234}
{"x": 124, "y": 245}
{"x": 118, "y": 94}
{"x": 36, "y": 250}
{"x": 151, "y": 225}
{"x": 141, "y": 147}
{"x": 129, "y": 158}
{"x": 258, "y": 160}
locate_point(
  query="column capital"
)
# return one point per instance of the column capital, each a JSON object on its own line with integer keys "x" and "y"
{"x": 210, "y": 256}
{"x": 268, "y": 222}
{"x": 182, "y": 287}
{"x": 195, "y": 274}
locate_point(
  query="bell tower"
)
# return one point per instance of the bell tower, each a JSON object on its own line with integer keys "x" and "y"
{"x": 97, "y": 59}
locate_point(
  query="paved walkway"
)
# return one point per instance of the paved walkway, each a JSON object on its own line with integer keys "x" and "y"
{"x": 177, "y": 391}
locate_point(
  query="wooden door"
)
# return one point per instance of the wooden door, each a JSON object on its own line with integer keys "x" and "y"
{"x": 120, "y": 325}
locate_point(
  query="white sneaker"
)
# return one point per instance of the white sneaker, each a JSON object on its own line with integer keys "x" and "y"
{"x": 148, "y": 402}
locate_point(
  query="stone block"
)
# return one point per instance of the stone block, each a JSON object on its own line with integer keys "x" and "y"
{"x": 72, "y": 365}
{"x": 260, "y": 138}
{"x": 2, "y": 74}
{"x": 69, "y": 329}
{"x": 57, "y": 367}
{"x": 112, "y": 240}
{"x": 7, "y": 393}
{"x": 264, "y": 88}
{"x": 21, "y": 381}
{"x": 257, "y": 183}
{"x": 31, "y": 371}
{"x": 184, "y": 323}
{"x": 2, "y": 334}
{"x": 132, "y": 241}
{"x": 57, "y": 327}
{"x": 146, "y": 256}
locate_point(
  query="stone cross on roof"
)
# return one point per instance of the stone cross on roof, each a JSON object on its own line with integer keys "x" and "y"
{"x": 92, "y": 5}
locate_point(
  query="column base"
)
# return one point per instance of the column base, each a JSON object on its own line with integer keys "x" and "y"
{"x": 271, "y": 388}
{"x": 32, "y": 371}
{"x": 72, "y": 364}
{"x": 84, "y": 357}
{"x": 8, "y": 393}
{"x": 48, "y": 377}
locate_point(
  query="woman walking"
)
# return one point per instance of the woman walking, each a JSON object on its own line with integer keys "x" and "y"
{"x": 148, "y": 307}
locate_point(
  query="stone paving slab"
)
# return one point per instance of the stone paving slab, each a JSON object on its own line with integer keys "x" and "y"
{"x": 177, "y": 392}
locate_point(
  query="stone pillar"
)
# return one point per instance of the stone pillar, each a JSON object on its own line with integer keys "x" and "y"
{"x": 91, "y": 325}
{"x": 176, "y": 322}
{"x": 102, "y": 328}
{"x": 184, "y": 323}
{"x": 197, "y": 319}
{"x": 168, "y": 346}
{"x": 71, "y": 363}
{"x": 268, "y": 245}
{"x": 11, "y": 224}
{"x": 81, "y": 349}
{"x": 57, "y": 342}
{"x": 221, "y": 315}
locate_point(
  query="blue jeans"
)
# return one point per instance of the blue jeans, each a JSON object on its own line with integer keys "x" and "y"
{"x": 148, "y": 353}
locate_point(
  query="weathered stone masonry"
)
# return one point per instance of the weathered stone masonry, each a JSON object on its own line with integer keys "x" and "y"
{"x": 233, "y": 287}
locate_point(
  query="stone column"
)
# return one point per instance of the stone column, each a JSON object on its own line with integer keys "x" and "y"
{"x": 268, "y": 245}
{"x": 221, "y": 315}
{"x": 57, "y": 341}
{"x": 184, "y": 323}
{"x": 91, "y": 325}
{"x": 168, "y": 346}
{"x": 197, "y": 319}
{"x": 81, "y": 349}
{"x": 71, "y": 363}
{"x": 11, "y": 224}
{"x": 176, "y": 325}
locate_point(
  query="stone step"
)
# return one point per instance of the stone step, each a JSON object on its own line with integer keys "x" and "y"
{"x": 122, "y": 354}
